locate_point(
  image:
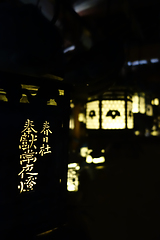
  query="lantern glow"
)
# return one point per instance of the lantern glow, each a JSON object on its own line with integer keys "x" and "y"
{"x": 138, "y": 105}
{"x": 149, "y": 110}
{"x": 89, "y": 159}
{"x": 72, "y": 177}
{"x": 28, "y": 157}
{"x": 71, "y": 123}
{"x": 113, "y": 110}
{"x": 155, "y": 101}
{"x": 113, "y": 114}
{"x": 52, "y": 102}
{"x": 99, "y": 160}
{"x": 142, "y": 104}
{"x": 135, "y": 100}
{"x": 84, "y": 151}
{"x": 130, "y": 123}
{"x": 81, "y": 117}
{"x": 92, "y": 115}
{"x": 3, "y": 96}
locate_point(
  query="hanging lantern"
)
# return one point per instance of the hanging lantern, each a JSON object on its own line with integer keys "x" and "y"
{"x": 113, "y": 110}
{"x": 93, "y": 115}
{"x": 149, "y": 110}
{"x": 72, "y": 178}
{"x": 139, "y": 105}
{"x": 155, "y": 101}
{"x": 34, "y": 133}
{"x": 143, "y": 113}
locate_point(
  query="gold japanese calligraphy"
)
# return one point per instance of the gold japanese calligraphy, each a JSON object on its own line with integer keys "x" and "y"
{"x": 45, "y": 148}
{"x": 28, "y": 153}
{"x": 28, "y": 157}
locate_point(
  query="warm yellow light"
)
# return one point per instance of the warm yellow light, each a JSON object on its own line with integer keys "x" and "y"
{"x": 31, "y": 88}
{"x": 52, "y": 102}
{"x": 155, "y": 133}
{"x": 71, "y": 123}
{"x": 102, "y": 151}
{"x": 89, "y": 159}
{"x": 72, "y": 177}
{"x": 78, "y": 168}
{"x": 89, "y": 151}
{"x": 27, "y": 157}
{"x": 156, "y": 101}
{"x": 100, "y": 167}
{"x": 61, "y": 92}
{"x": 142, "y": 104}
{"x": 45, "y": 148}
{"x": 130, "y": 122}
{"x": 137, "y": 133}
{"x": 72, "y": 105}
{"x": 149, "y": 110}
{"x": 72, "y": 165}
{"x": 84, "y": 151}
{"x": 99, "y": 160}
{"x": 27, "y": 144}
{"x": 3, "y": 95}
{"x": 45, "y": 233}
{"x": 113, "y": 114}
{"x": 135, "y": 105}
{"x": 81, "y": 117}
{"x": 71, "y": 188}
{"x": 138, "y": 103}
{"x": 92, "y": 115}
{"x": 24, "y": 99}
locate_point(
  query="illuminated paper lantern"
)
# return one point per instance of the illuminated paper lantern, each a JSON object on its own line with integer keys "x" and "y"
{"x": 139, "y": 105}
{"x": 155, "y": 101}
{"x": 34, "y": 128}
{"x": 149, "y": 110}
{"x": 111, "y": 111}
{"x": 93, "y": 115}
{"x": 72, "y": 177}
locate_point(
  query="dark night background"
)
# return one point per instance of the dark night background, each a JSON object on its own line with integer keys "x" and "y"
{"x": 122, "y": 199}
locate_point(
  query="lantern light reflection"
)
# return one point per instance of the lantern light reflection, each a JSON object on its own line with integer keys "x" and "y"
{"x": 149, "y": 110}
{"x": 81, "y": 117}
{"x": 99, "y": 160}
{"x": 92, "y": 118}
{"x": 90, "y": 159}
{"x": 84, "y": 151}
{"x": 137, "y": 133}
{"x": 155, "y": 101}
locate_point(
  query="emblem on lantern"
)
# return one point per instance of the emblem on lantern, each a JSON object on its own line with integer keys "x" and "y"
{"x": 111, "y": 111}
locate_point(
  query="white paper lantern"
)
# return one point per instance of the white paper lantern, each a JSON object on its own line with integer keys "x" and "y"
{"x": 138, "y": 105}
{"x": 111, "y": 111}
{"x": 92, "y": 115}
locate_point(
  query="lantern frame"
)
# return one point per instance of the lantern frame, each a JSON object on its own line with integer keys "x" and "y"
{"x": 47, "y": 201}
{"x": 118, "y": 95}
